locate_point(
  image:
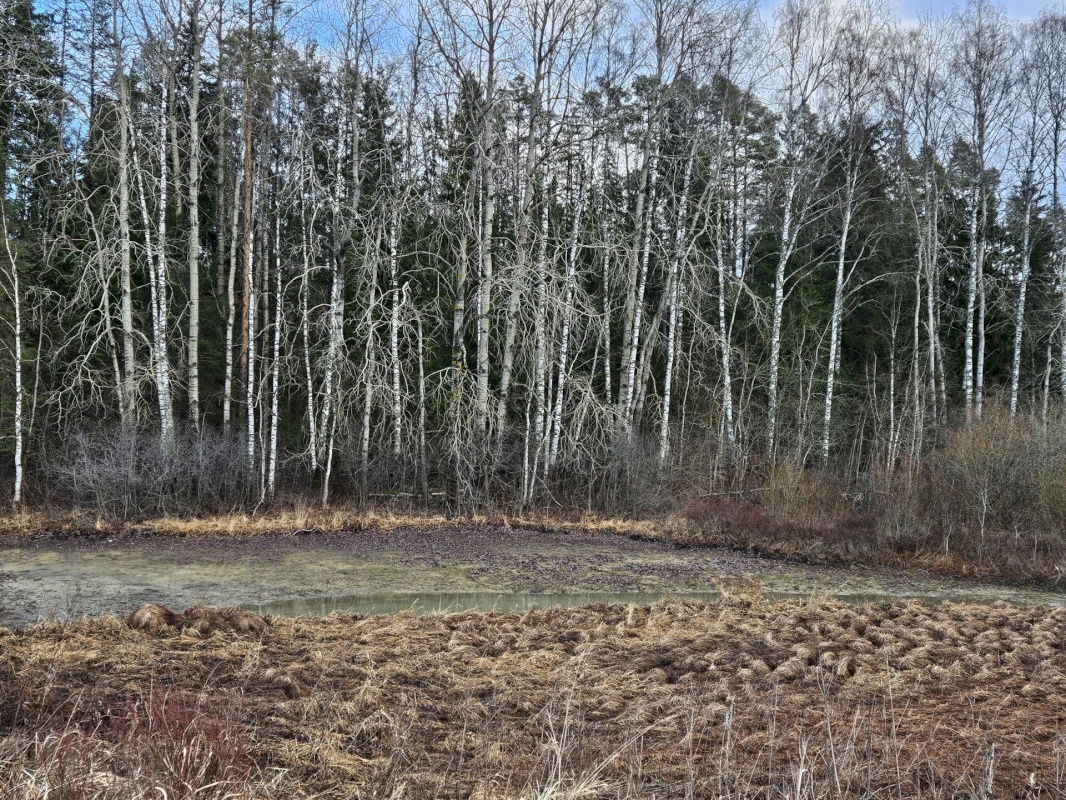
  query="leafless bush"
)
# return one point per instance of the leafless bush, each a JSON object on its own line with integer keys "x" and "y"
{"x": 1003, "y": 475}
{"x": 130, "y": 475}
{"x": 994, "y": 493}
{"x": 991, "y": 500}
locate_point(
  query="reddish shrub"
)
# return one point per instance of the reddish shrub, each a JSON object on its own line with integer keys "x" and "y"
{"x": 165, "y": 745}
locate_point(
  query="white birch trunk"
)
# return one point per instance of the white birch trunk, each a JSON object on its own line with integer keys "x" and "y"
{"x": 485, "y": 277}
{"x": 1019, "y": 309}
{"x": 668, "y": 380}
{"x": 328, "y": 472}
{"x": 157, "y": 281}
{"x": 564, "y": 337}
{"x": 834, "y": 324}
{"x": 786, "y": 243}
{"x": 16, "y": 302}
{"x": 162, "y": 359}
{"x": 930, "y": 247}
{"x": 127, "y": 392}
{"x": 1062, "y": 332}
{"x": 252, "y": 300}
{"x": 608, "y": 393}
{"x": 336, "y": 318}
{"x": 724, "y": 338}
{"x": 673, "y": 285}
{"x": 459, "y": 314}
{"x": 305, "y": 335}
{"x": 1049, "y": 361}
{"x": 971, "y": 308}
{"x": 540, "y": 346}
{"x": 194, "y": 231}
{"x": 394, "y": 335}
{"x": 18, "y": 432}
{"x": 979, "y": 378}
{"x": 370, "y": 363}
{"x": 646, "y": 187}
{"x": 630, "y": 371}
{"x": 422, "y": 462}
{"x": 275, "y": 366}
{"x": 333, "y": 349}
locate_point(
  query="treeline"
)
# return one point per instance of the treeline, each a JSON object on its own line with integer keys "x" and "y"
{"x": 517, "y": 251}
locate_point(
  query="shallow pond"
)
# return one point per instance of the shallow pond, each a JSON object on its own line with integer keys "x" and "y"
{"x": 421, "y": 569}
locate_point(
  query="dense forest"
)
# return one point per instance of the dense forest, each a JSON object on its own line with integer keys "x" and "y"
{"x": 518, "y": 251}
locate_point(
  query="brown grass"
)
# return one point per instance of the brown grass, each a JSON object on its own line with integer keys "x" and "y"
{"x": 153, "y": 618}
{"x": 196, "y": 621}
{"x": 302, "y": 519}
{"x": 740, "y": 698}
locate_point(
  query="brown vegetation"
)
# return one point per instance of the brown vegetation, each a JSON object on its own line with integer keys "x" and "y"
{"x": 734, "y": 699}
{"x": 300, "y": 519}
{"x": 196, "y": 621}
{"x": 990, "y": 501}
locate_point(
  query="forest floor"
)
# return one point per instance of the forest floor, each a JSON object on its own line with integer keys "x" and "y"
{"x": 738, "y": 698}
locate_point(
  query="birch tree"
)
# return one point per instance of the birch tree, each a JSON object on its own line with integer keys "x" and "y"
{"x": 983, "y": 63}
{"x": 805, "y": 47}
{"x": 1029, "y": 132}
{"x": 1048, "y": 38}
{"x": 854, "y": 78}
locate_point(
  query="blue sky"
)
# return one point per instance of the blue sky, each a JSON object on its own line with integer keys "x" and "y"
{"x": 912, "y": 9}
{"x": 1017, "y": 9}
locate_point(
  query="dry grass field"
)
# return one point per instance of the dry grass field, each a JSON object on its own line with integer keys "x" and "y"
{"x": 738, "y": 699}
{"x": 301, "y": 518}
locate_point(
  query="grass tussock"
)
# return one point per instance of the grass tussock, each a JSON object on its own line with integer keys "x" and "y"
{"x": 196, "y": 621}
{"x": 740, "y": 698}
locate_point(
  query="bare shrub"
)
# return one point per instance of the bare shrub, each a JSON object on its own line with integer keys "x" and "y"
{"x": 740, "y": 523}
{"x": 1003, "y": 475}
{"x": 994, "y": 495}
{"x": 991, "y": 499}
{"x": 131, "y": 475}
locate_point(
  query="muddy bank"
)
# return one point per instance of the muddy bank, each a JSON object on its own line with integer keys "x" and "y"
{"x": 80, "y": 575}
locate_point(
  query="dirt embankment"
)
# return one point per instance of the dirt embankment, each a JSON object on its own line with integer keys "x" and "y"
{"x": 739, "y": 698}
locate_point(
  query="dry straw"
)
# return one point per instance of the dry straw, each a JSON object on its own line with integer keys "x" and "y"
{"x": 740, "y": 698}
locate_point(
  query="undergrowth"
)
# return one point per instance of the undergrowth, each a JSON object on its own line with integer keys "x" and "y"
{"x": 167, "y": 744}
